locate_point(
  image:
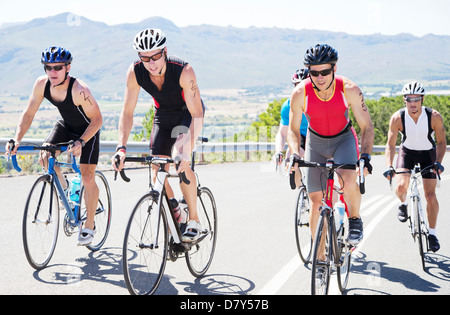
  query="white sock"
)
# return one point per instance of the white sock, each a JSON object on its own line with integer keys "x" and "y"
{"x": 404, "y": 203}
{"x": 432, "y": 231}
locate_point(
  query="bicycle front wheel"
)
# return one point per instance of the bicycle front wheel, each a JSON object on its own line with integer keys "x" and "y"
{"x": 40, "y": 222}
{"x": 102, "y": 212}
{"x": 321, "y": 259}
{"x": 200, "y": 256}
{"x": 345, "y": 253}
{"x": 302, "y": 230}
{"x": 421, "y": 230}
{"x": 145, "y": 247}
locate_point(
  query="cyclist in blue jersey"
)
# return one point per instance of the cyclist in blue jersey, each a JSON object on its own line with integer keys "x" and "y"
{"x": 281, "y": 137}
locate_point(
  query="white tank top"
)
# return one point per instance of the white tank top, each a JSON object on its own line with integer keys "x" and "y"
{"x": 418, "y": 136}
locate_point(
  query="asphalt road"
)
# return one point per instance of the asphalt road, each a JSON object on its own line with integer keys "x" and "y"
{"x": 256, "y": 252}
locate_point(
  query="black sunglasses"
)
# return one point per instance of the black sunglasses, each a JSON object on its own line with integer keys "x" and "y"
{"x": 323, "y": 73}
{"x": 412, "y": 99}
{"x": 155, "y": 57}
{"x": 56, "y": 68}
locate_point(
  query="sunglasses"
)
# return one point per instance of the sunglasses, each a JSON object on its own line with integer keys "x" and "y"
{"x": 154, "y": 57}
{"x": 412, "y": 99}
{"x": 56, "y": 68}
{"x": 323, "y": 73}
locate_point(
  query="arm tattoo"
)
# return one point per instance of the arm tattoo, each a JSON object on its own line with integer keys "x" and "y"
{"x": 194, "y": 88}
{"x": 86, "y": 98}
{"x": 363, "y": 103}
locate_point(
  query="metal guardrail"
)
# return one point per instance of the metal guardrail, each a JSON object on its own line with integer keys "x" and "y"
{"x": 109, "y": 147}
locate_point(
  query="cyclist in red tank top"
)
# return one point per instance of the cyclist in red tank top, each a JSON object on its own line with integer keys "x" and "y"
{"x": 326, "y": 101}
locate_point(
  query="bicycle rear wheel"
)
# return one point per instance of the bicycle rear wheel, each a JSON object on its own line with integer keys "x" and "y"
{"x": 200, "y": 256}
{"x": 40, "y": 222}
{"x": 321, "y": 259}
{"x": 422, "y": 237}
{"x": 103, "y": 211}
{"x": 303, "y": 235}
{"x": 145, "y": 247}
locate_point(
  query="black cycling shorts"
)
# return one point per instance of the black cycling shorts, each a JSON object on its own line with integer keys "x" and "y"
{"x": 61, "y": 133}
{"x": 409, "y": 158}
{"x": 167, "y": 126}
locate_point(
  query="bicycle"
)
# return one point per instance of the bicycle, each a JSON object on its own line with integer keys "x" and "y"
{"x": 40, "y": 226}
{"x": 330, "y": 239}
{"x": 153, "y": 234}
{"x": 418, "y": 222}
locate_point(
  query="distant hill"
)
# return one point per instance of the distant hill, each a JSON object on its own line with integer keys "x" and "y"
{"x": 223, "y": 57}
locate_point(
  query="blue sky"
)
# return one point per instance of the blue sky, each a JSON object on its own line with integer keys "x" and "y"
{"x": 388, "y": 17}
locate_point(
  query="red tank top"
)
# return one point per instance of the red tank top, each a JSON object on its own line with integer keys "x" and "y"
{"x": 326, "y": 118}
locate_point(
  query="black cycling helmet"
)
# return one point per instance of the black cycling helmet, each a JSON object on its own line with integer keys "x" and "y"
{"x": 56, "y": 55}
{"x": 319, "y": 55}
{"x": 300, "y": 75}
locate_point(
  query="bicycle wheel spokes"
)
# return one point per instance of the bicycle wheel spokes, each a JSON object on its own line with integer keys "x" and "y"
{"x": 40, "y": 223}
{"x": 302, "y": 228}
{"x": 345, "y": 253}
{"x": 200, "y": 256}
{"x": 103, "y": 212}
{"x": 422, "y": 231}
{"x": 321, "y": 259}
{"x": 143, "y": 259}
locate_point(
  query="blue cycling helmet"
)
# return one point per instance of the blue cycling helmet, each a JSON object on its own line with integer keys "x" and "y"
{"x": 56, "y": 55}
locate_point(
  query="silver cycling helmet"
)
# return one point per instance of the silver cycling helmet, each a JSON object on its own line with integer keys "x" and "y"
{"x": 149, "y": 39}
{"x": 413, "y": 88}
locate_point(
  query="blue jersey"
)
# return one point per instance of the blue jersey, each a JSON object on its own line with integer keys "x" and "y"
{"x": 285, "y": 109}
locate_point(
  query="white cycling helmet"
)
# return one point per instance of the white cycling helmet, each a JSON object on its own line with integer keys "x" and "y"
{"x": 149, "y": 39}
{"x": 413, "y": 88}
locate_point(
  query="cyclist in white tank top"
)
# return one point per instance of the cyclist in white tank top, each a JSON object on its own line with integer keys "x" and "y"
{"x": 424, "y": 142}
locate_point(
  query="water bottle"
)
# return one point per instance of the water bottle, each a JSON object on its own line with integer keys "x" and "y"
{"x": 176, "y": 209}
{"x": 339, "y": 214}
{"x": 75, "y": 186}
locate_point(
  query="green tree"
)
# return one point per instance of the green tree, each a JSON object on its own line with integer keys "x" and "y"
{"x": 147, "y": 126}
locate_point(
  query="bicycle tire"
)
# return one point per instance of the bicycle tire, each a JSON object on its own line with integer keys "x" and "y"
{"x": 144, "y": 264}
{"x": 345, "y": 258}
{"x": 200, "y": 256}
{"x": 40, "y": 225}
{"x": 421, "y": 235}
{"x": 321, "y": 267}
{"x": 103, "y": 212}
{"x": 303, "y": 235}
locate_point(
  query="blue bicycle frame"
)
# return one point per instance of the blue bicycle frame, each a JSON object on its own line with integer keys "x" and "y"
{"x": 73, "y": 215}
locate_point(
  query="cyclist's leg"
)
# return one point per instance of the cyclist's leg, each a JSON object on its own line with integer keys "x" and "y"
{"x": 58, "y": 134}
{"x": 347, "y": 152}
{"x": 429, "y": 187}
{"x": 88, "y": 164}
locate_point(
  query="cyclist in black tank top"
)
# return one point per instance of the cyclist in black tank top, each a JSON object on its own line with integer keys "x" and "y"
{"x": 179, "y": 112}
{"x": 81, "y": 122}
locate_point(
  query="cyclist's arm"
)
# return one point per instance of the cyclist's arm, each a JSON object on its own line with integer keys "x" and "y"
{"x": 355, "y": 99}
{"x": 188, "y": 82}
{"x": 83, "y": 96}
{"x": 437, "y": 124}
{"x": 27, "y": 116}
{"x": 295, "y": 119}
{"x": 395, "y": 125}
{"x": 126, "y": 115}
{"x": 280, "y": 138}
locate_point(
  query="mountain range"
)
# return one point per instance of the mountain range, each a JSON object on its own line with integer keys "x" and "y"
{"x": 222, "y": 57}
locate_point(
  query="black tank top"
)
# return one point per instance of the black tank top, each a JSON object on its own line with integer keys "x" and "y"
{"x": 73, "y": 116}
{"x": 171, "y": 96}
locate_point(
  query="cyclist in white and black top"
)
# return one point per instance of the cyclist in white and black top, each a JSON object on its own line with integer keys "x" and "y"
{"x": 423, "y": 142}
{"x": 179, "y": 112}
{"x": 81, "y": 122}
